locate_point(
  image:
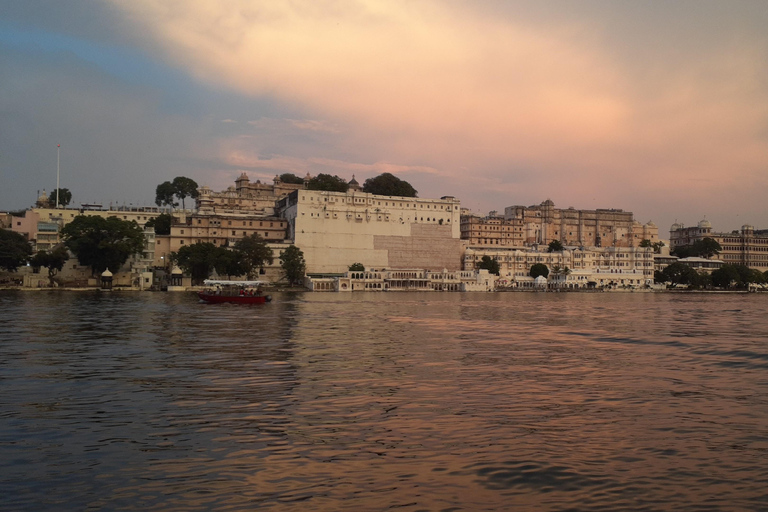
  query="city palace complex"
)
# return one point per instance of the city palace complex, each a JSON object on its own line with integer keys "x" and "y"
{"x": 404, "y": 243}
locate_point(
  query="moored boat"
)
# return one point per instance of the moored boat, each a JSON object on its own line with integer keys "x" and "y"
{"x": 237, "y": 292}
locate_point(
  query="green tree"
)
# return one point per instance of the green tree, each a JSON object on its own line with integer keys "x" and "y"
{"x": 15, "y": 250}
{"x": 357, "y": 267}
{"x": 539, "y": 269}
{"x": 388, "y": 184}
{"x": 254, "y": 252}
{"x": 328, "y": 183}
{"x": 164, "y": 194}
{"x": 291, "y": 178}
{"x": 198, "y": 260}
{"x": 161, "y": 223}
{"x": 679, "y": 273}
{"x": 294, "y": 266}
{"x": 229, "y": 262}
{"x": 184, "y": 187}
{"x": 490, "y": 264}
{"x": 656, "y": 246}
{"x": 704, "y": 248}
{"x": 555, "y": 246}
{"x": 65, "y": 197}
{"x": 54, "y": 261}
{"x": 102, "y": 243}
{"x": 726, "y": 277}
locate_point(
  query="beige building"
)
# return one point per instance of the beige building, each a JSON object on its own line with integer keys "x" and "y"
{"x": 584, "y": 228}
{"x": 492, "y": 231}
{"x": 223, "y": 229}
{"x": 246, "y": 197}
{"x": 744, "y": 247}
{"x": 606, "y": 266}
{"x": 375, "y": 280}
{"x": 335, "y": 229}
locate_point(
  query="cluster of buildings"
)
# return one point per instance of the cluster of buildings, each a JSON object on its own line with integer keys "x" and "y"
{"x": 404, "y": 243}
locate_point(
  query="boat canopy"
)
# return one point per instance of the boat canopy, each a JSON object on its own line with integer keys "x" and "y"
{"x": 221, "y": 282}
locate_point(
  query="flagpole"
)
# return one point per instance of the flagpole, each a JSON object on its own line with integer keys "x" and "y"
{"x": 58, "y": 148}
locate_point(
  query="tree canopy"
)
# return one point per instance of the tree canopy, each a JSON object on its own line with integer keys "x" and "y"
{"x": 54, "y": 261}
{"x": 254, "y": 252}
{"x": 388, "y": 184}
{"x": 539, "y": 269}
{"x": 198, "y": 260}
{"x": 704, "y": 248}
{"x": 289, "y": 177}
{"x": 15, "y": 250}
{"x": 65, "y": 197}
{"x": 656, "y": 246}
{"x": 680, "y": 273}
{"x": 357, "y": 267}
{"x": 328, "y": 183}
{"x": 185, "y": 187}
{"x": 292, "y": 261}
{"x": 102, "y": 243}
{"x": 555, "y": 246}
{"x": 736, "y": 276}
{"x": 489, "y": 264}
{"x": 164, "y": 194}
{"x": 161, "y": 223}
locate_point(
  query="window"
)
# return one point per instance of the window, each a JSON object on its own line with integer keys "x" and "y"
{"x": 181, "y": 242}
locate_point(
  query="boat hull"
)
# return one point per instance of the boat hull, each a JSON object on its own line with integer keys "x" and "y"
{"x": 234, "y": 299}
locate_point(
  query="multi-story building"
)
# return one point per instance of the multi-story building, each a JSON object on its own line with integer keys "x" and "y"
{"x": 223, "y": 229}
{"x": 335, "y": 229}
{"x": 254, "y": 198}
{"x": 492, "y": 231}
{"x": 744, "y": 247}
{"x": 583, "y": 228}
{"x": 621, "y": 266}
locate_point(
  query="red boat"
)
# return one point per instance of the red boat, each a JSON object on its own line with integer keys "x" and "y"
{"x": 237, "y": 292}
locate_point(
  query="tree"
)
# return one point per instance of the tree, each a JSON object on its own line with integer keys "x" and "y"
{"x": 291, "y": 178}
{"x": 15, "y": 250}
{"x": 102, "y": 243}
{"x": 161, "y": 223}
{"x": 388, "y": 184}
{"x": 490, "y": 264}
{"x": 254, "y": 252}
{"x": 357, "y": 267}
{"x": 185, "y": 187}
{"x": 65, "y": 196}
{"x": 555, "y": 246}
{"x": 704, "y": 248}
{"x": 198, "y": 260}
{"x": 726, "y": 276}
{"x": 54, "y": 261}
{"x": 164, "y": 194}
{"x": 679, "y": 273}
{"x": 229, "y": 262}
{"x": 539, "y": 269}
{"x": 656, "y": 246}
{"x": 328, "y": 183}
{"x": 292, "y": 261}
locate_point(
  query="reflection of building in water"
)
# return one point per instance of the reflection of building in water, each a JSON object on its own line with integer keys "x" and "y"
{"x": 405, "y": 280}
{"x": 745, "y": 247}
{"x": 587, "y": 267}
{"x": 540, "y": 224}
{"x": 335, "y": 229}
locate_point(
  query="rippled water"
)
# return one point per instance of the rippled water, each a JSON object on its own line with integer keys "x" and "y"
{"x": 509, "y": 401}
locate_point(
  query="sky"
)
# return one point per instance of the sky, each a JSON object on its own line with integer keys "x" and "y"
{"x": 659, "y": 108}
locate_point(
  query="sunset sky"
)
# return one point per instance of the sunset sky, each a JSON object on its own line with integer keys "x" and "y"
{"x": 660, "y": 108}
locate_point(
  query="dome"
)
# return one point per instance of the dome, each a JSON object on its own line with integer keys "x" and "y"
{"x": 548, "y": 202}
{"x": 705, "y": 224}
{"x": 650, "y": 224}
{"x": 675, "y": 227}
{"x": 106, "y": 273}
{"x": 353, "y": 181}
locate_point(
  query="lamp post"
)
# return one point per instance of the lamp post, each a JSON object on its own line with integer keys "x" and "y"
{"x": 58, "y": 148}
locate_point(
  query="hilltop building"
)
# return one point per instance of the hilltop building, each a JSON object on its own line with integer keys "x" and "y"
{"x": 540, "y": 224}
{"x": 744, "y": 247}
{"x": 254, "y": 198}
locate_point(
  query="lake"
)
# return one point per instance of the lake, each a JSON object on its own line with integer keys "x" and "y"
{"x": 376, "y": 401}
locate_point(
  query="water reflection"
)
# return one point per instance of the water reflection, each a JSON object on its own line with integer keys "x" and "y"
{"x": 369, "y": 401}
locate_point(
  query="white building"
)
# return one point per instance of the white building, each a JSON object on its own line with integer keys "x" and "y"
{"x": 335, "y": 230}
